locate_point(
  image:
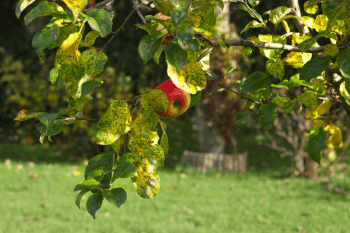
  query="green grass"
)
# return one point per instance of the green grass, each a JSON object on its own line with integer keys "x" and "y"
{"x": 249, "y": 202}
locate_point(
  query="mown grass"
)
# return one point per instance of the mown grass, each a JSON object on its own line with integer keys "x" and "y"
{"x": 39, "y": 197}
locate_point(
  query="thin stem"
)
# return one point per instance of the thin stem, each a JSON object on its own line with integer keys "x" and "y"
{"x": 119, "y": 29}
{"x": 77, "y": 118}
{"x": 136, "y": 7}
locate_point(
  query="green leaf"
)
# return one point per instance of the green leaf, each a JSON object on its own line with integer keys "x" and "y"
{"x": 94, "y": 203}
{"x": 344, "y": 64}
{"x": 94, "y": 62}
{"x": 88, "y": 86}
{"x": 124, "y": 170}
{"x": 88, "y": 184}
{"x": 164, "y": 143}
{"x": 44, "y": 38}
{"x": 101, "y": 160}
{"x": 251, "y": 24}
{"x": 317, "y": 141}
{"x": 314, "y": 67}
{"x": 278, "y": 14}
{"x": 89, "y": 39}
{"x": 284, "y": 84}
{"x": 57, "y": 82}
{"x": 80, "y": 196}
{"x": 76, "y": 104}
{"x": 148, "y": 46}
{"x": 195, "y": 98}
{"x": 242, "y": 117}
{"x": 98, "y": 173}
{"x": 44, "y": 8}
{"x": 55, "y": 127}
{"x": 176, "y": 56}
{"x": 281, "y": 101}
{"x": 99, "y": 20}
{"x": 22, "y": 4}
{"x": 115, "y": 196}
{"x": 47, "y": 118}
{"x": 275, "y": 67}
{"x": 267, "y": 113}
{"x": 306, "y": 44}
{"x": 244, "y": 8}
{"x": 178, "y": 14}
{"x": 309, "y": 99}
{"x": 255, "y": 82}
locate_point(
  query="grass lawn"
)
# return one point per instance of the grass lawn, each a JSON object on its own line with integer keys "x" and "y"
{"x": 39, "y": 198}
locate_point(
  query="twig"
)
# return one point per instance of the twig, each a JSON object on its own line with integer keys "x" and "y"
{"x": 325, "y": 98}
{"x": 249, "y": 43}
{"x": 77, "y": 118}
{"x": 237, "y": 93}
{"x": 136, "y": 7}
{"x": 257, "y": 17}
{"x": 100, "y": 5}
{"x": 204, "y": 54}
{"x": 120, "y": 28}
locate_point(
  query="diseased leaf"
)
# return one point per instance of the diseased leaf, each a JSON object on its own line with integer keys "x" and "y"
{"x": 94, "y": 62}
{"x": 309, "y": 99}
{"x": 76, "y": 5}
{"x": 114, "y": 123}
{"x": 275, "y": 67}
{"x": 176, "y": 56}
{"x": 148, "y": 46}
{"x": 334, "y": 136}
{"x": 24, "y": 115}
{"x": 178, "y": 14}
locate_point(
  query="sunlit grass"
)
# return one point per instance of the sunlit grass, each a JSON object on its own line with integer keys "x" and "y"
{"x": 40, "y": 198}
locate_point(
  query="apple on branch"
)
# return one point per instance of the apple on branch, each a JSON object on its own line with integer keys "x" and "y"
{"x": 179, "y": 100}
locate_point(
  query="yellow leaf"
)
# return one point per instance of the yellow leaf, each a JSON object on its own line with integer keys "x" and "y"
{"x": 114, "y": 123}
{"x": 316, "y": 124}
{"x": 297, "y": 59}
{"x": 76, "y": 5}
{"x": 311, "y": 114}
{"x": 324, "y": 107}
{"x": 191, "y": 78}
{"x": 334, "y": 135}
{"x": 344, "y": 93}
{"x": 320, "y": 23}
{"x": 310, "y": 9}
{"x": 331, "y": 50}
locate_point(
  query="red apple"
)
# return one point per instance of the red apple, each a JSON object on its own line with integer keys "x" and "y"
{"x": 179, "y": 100}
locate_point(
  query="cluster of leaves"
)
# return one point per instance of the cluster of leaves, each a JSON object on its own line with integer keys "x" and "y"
{"x": 75, "y": 70}
{"x": 316, "y": 77}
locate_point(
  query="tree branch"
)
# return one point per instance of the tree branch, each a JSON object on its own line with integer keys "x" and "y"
{"x": 120, "y": 28}
{"x": 136, "y": 7}
{"x": 76, "y": 118}
{"x": 100, "y": 5}
{"x": 266, "y": 45}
